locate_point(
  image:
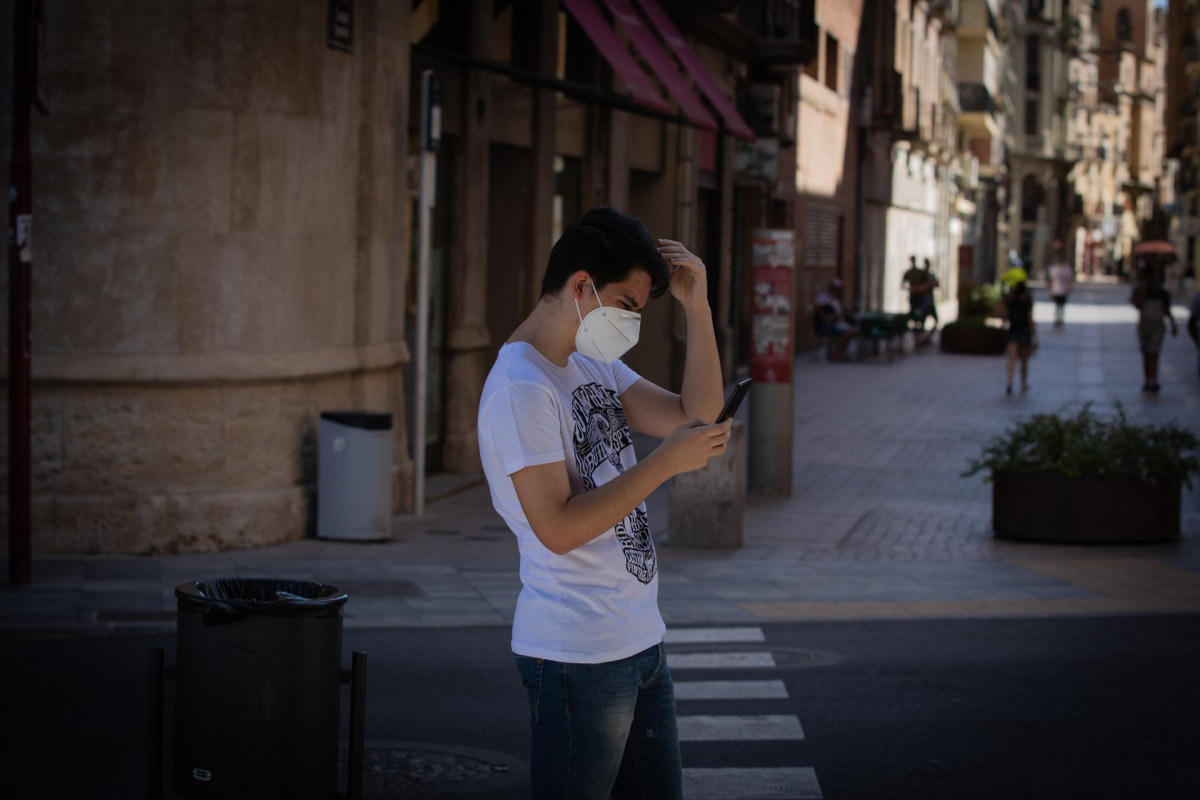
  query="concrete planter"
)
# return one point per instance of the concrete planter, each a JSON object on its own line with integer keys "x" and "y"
{"x": 1088, "y": 510}
{"x": 971, "y": 340}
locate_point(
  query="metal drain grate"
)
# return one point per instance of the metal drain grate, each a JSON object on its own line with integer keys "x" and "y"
{"x": 407, "y": 768}
{"x": 118, "y": 615}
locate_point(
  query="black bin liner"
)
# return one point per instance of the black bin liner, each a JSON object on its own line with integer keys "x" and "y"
{"x": 227, "y": 600}
{"x": 257, "y": 689}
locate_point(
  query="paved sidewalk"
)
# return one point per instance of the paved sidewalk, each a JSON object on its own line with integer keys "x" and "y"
{"x": 880, "y": 524}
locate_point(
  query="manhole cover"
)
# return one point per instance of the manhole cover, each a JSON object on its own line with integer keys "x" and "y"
{"x": 409, "y": 767}
{"x": 122, "y": 615}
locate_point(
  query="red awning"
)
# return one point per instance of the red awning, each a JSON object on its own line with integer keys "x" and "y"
{"x": 616, "y": 54}
{"x": 692, "y": 64}
{"x": 661, "y": 64}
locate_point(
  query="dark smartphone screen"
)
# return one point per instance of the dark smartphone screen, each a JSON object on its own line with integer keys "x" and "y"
{"x": 735, "y": 400}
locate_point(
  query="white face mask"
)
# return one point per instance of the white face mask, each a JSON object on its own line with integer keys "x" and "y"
{"x": 607, "y": 333}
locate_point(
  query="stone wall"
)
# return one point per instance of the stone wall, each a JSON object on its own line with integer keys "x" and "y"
{"x": 220, "y": 255}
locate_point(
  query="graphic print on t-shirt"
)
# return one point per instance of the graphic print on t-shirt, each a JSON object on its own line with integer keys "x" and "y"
{"x": 601, "y": 433}
{"x": 633, "y": 533}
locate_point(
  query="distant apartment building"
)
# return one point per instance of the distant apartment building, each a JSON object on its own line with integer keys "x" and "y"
{"x": 1132, "y": 96}
{"x": 985, "y": 34}
{"x": 1182, "y": 125}
{"x": 917, "y": 183}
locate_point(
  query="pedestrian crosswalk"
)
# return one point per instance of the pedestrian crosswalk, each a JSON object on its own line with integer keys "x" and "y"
{"x": 735, "y": 783}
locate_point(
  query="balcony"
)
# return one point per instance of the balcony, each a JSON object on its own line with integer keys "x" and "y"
{"x": 1189, "y": 133}
{"x": 926, "y": 120}
{"x": 1191, "y": 58}
{"x": 909, "y": 115}
{"x": 779, "y": 32}
{"x": 975, "y": 98}
{"x": 887, "y": 106}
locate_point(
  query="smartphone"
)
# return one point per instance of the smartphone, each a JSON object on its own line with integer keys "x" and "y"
{"x": 735, "y": 400}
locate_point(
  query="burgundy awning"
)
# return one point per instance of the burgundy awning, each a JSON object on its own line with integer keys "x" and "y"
{"x": 616, "y": 54}
{"x": 660, "y": 63}
{"x": 668, "y": 31}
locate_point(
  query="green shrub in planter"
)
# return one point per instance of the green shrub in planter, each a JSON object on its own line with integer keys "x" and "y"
{"x": 971, "y": 333}
{"x": 1083, "y": 478}
{"x": 982, "y": 302}
{"x": 972, "y": 336}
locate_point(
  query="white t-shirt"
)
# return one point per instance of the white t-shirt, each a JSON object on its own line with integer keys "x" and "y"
{"x": 1060, "y": 279}
{"x": 599, "y": 602}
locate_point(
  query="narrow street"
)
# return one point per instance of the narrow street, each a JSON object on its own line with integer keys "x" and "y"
{"x": 870, "y": 640}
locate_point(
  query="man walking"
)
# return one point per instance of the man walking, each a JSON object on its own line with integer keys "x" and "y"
{"x": 920, "y": 284}
{"x": 554, "y": 435}
{"x": 1062, "y": 279}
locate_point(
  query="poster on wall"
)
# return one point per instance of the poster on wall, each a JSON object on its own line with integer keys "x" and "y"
{"x": 773, "y": 260}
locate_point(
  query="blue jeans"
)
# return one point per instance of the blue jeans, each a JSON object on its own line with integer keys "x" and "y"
{"x": 603, "y": 728}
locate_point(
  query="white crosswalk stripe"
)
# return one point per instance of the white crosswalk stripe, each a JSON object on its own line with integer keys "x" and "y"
{"x": 739, "y": 727}
{"x": 769, "y": 783}
{"x": 720, "y": 660}
{"x": 730, "y": 690}
{"x": 705, "y": 635}
{"x": 736, "y": 783}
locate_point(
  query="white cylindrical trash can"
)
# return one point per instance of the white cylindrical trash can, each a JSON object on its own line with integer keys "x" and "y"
{"x": 354, "y": 483}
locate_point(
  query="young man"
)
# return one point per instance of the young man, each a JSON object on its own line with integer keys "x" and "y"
{"x": 554, "y": 435}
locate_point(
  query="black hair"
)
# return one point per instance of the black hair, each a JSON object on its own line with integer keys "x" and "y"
{"x": 608, "y": 244}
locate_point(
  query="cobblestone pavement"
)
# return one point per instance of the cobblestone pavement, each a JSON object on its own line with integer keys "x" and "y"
{"x": 880, "y": 524}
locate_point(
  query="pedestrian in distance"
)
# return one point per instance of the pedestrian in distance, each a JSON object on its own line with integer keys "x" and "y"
{"x": 555, "y": 422}
{"x": 1154, "y": 305}
{"x": 1062, "y": 280}
{"x": 932, "y": 285}
{"x": 832, "y": 321}
{"x": 1015, "y": 273}
{"x": 1020, "y": 334}
{"x": 1193, "y": 326}
{"x": 920, "y": 284}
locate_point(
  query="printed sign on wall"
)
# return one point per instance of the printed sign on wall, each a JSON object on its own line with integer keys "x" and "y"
{"x": 773, "y": 258}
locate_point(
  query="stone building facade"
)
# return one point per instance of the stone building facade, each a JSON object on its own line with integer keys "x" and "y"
{"x": 1182, "y": 125}
{"x": 221, "y": 255}
{"x": 225, "y": 206}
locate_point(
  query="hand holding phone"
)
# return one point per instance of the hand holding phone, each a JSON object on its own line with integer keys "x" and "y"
{"x": 735, "y": 400}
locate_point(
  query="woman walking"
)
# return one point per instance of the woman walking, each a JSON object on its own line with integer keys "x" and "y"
{"x": 1154, "y": 304}
{"x": 1020, "y": 333}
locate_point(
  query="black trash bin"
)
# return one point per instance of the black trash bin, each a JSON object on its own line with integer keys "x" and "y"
{"x": 257, "y": 681}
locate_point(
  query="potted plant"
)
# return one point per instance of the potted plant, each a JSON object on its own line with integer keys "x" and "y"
{"x": 1084, "y": 478}
{"x": 974, "y": 332}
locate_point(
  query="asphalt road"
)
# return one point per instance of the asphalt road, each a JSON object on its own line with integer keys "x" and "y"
{"x": 1013, "y": 708}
